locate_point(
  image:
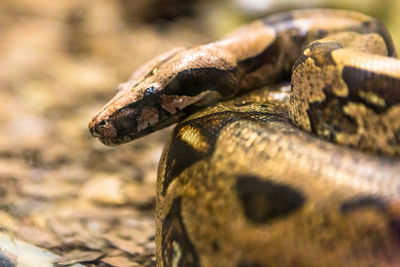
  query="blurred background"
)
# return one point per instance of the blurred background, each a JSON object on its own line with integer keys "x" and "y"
{"x": 60, "y": 61}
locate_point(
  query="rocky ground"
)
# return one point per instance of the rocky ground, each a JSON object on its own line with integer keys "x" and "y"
{"x": 61, "y": 189}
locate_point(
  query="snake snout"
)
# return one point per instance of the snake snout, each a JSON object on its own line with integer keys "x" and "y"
{"x": 102, "y": 128}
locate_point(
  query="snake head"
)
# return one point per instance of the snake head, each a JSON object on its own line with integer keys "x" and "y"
{"x": 163, "y": 91}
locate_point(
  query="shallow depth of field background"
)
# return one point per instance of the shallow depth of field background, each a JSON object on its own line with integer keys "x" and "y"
{"x": 60, "y": 61}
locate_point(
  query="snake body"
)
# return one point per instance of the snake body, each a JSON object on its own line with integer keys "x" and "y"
{"x": 305, "y": 174}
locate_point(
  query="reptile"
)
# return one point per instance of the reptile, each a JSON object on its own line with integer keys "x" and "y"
{"x": 286, "y": 151}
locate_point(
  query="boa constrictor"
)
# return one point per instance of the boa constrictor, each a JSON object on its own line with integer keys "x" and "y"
{"x": 300, "y": 174}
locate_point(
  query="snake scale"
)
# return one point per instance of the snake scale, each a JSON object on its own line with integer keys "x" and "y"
{"x": 304, "y": 173}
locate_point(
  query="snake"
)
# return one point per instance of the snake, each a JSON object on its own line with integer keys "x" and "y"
{"x": 287, "y": 143}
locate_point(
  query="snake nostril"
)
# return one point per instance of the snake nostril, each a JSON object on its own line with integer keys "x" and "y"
{"x": 104, "y": 128}
{"x": 98, "y": 129}
{"x": 102, "y": 124}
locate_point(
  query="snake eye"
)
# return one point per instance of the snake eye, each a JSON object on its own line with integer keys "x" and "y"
{"x": 150, "y": 91}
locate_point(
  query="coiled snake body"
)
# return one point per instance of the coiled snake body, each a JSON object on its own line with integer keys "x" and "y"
{"x": 300, "y": 174}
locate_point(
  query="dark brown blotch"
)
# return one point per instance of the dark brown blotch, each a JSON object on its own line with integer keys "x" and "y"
{"x": 354, "y": 204}
{"x": 264, "y": 200}
{"x": 175, "y": 243}
{"x": 327, "y": 118}
{"x": 125, "y": 120}
{"x": 276, "y": 54}
{"x": 269, "y": 56}
{"x": 362, "y": 81}
{"x": 191, "y": 82}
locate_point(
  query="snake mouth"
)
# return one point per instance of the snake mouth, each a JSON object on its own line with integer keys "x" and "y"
{"x": 119, "y": 140}
{"x": 115, "y": 141}
{"x": 124, "y": 139}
